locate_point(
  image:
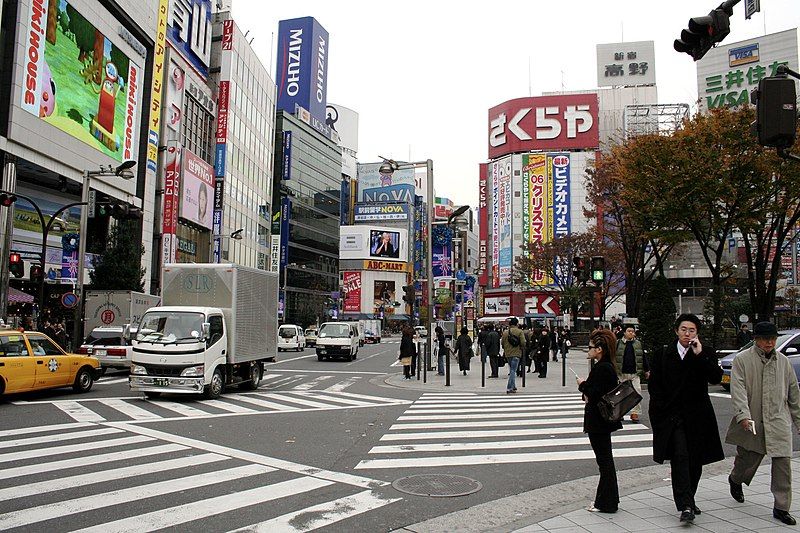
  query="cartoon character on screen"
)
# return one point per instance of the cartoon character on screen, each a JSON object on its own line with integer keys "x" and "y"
{"x": 103, "y": 124}
{"x": 48, "y": 97}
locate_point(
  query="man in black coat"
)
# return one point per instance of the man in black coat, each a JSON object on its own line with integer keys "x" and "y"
{"x": 681, "y": 413}
{"x": 491, "y": 341}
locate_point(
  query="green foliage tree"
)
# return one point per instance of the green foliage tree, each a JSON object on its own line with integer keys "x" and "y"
{"x": 657, "y": 316}
{"x": 119, "y": 262}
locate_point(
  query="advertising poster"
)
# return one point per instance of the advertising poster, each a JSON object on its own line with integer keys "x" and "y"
{"x": 535, "y": 165}
{"x": 497, "y": 305}
{"x": 351, "y": 284}
{"x": 384, "y": 244}
{"x": 442, "y": 259}
{"x": 302, "y": 69}
{"x": 419, "y": 249}
{"x": 172, "y": 187}
{"x": 197, "y": 198}
{"x": 384, "y": 295}
{"x": 390, "y": 193}
{"x": 558, "y": 169}
{"x": 175, "y": 93}
{"x": 79, "y": 81}
{"x": 496, "y": 224}
{"x": 482, "y": 225}
{"x": 504, "y": 222}
{"x": 370, "y": 179}
{"x": 156, "y": 84}
{"x": 376, "y": 212}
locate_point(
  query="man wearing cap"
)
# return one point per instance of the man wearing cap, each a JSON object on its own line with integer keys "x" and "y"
{"x": 766, "y": 400}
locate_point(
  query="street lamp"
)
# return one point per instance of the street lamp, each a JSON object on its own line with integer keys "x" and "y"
{"x": 681, "y": 292}
{"x": 451, "y": 219}
{"x": 122, "y": 171}
{"x": 236, "y": 236}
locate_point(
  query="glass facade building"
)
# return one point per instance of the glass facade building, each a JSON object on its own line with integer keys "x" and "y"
{"x": 311, "y": 271}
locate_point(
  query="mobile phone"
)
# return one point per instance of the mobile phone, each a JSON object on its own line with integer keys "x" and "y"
{"x": 753, "y": 427}
{"x": 574, "y": 373}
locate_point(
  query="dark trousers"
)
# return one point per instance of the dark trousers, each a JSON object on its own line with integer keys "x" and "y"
{"x": 543, "y": 368}
{"x": 407, "y": 371}
{"x": 493, "y": 364}
{"x": 686, "y": 469}
{"x": 607, "y": 496}
{"x": 413, "y": 364}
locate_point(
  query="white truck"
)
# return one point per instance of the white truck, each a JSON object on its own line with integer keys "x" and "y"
{"x": 217, "y": 326}
{"x": 115, "y": 308}
{"x": 372, "y": 330}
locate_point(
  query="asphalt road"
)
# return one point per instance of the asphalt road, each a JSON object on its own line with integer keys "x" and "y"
{"x": 308, "y": 431}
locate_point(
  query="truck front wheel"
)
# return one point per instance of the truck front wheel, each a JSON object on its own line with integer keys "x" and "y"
{"x": 214, "y": 389}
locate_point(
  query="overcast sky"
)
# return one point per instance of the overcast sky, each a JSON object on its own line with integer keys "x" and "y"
{"x": 422, "y": 75}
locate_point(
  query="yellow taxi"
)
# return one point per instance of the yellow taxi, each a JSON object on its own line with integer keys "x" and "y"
{"x": 30, "y": 361}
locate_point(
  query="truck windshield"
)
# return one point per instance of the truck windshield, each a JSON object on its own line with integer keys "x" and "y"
{"x": 166, "y": 327}
{"x": 334, "y": 330}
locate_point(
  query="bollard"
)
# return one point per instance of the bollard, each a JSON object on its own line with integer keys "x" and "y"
{"x": 426, "y": 361}
{"x": 483, "y": 370}
{"x": 563, "y": 371}
{"x": 447, "y": 369}
{"x": 522, "y": 361}
{"x": 419, "y": 349}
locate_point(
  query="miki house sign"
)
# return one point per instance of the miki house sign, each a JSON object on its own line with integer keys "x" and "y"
{"x": 302, "y": 75}
{"x": 544, "y": 123}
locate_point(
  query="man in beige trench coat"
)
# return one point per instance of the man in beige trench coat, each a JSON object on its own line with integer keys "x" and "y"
{"x": 766, "y": 400}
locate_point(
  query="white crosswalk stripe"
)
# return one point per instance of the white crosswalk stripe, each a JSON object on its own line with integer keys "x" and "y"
{"x": 176, "y": 482}
{"x": 441, "y": 430}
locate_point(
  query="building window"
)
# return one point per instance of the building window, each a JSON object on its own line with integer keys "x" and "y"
{"x": 197, "y": 134}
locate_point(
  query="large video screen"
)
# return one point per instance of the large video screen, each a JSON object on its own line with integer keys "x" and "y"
{"x": 76, "y": 79}
{"x": 384, "y": 244}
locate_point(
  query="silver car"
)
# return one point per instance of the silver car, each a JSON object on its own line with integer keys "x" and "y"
{"x": 788, "y": 344}
{"x": 109, "y": 346}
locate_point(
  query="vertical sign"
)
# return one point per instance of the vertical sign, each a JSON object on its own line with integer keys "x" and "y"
{"x": 495, "y": 224}
{"x": 483, "y": 224}
{"x": 506, "y": 247}
{"x": 558, "y": 168}
{"x": 157, "y": 81}
{"x": 275, "y": 253}
{"x": 751, "y": 7}
{"x": 351, "y": 283}
{"x": 172, "y": 185}
{"x": 286, "y": 209}
{"x": 536, "y": 165}
{"x": 287, "y": 155}
{"x": 223, "y": 98}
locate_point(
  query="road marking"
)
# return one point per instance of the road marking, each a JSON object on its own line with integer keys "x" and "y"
{"x": 286, "y": 381}
{"x": 293, "y": 359}
{"x": 525, "y": 408}
{"x": 104, "y": 476}
{"x": 189, "y": 512}
{"x": 229, "y": 407}
{"x": 79, "y": 462}
{"x": 111, "y": 382}
{"x": 321, "y": 515}
{"x": 308, "y": 385}
{"x": 45, "y": 452}
{"x": 130, "y": 410}
{"x": 340, "y": 386}
{"x": 464, "y": 460}
{"x": 266, "y": 403}
{"x": 486, "y": 423}
{"x": 16, "y": 443}
{"x": 364, "y": 359}
{"x": 179, "y": 407}
{"x": 468, "y": 434}
{"x": 78, "y": 411}
{"x": 59, "y": 509}
{"x": 369, "y": 398}
{"x": 302, "y": 401}
{"x": 501, "y": 403}
{"x": 529, "y": 399}
{"x": 44, "y": 429}
{"x": 345, "y": 401}
{"x": 483, "y": 416}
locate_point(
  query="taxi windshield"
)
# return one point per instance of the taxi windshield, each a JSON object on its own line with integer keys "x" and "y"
{"x": 166, "y": 327}
{"x": 334, "y": 330}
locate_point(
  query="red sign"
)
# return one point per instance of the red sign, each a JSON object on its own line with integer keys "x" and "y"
{"x": 351, "y": 285}
{"x": 227, "y": 35}
{"x": 483, "y": 224}
{"x": 222, "y": 111}
{"x": 544, "y": 123}
{"x": 535, "y": 303}
{"x": 107, "y": 316}
{"x": 442, "y": 211}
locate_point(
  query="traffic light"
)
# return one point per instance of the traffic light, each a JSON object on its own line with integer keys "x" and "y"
{"x": 7, "y": 199}
{"x": 705, "y": 32}
{"x": 598, "y": 269}
{"x": 409, "y": 295}
{"x": 118, "y": 210}
{"x": 15, "y": 265}
{"x": 776, "y": 112}
{"x": 36, "y": 273}
{"x": 579, "y": 269}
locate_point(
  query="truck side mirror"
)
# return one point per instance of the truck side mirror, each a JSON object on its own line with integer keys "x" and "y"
{"x": 206, "y": 330}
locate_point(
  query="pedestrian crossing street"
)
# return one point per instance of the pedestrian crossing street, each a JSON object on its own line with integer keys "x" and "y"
{"x": 449, "y": 430}
{"x": 272, "y": 396}
{"x": 125, "y": 478}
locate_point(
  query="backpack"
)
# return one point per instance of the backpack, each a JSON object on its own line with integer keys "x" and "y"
{"x": 513, "y": 340}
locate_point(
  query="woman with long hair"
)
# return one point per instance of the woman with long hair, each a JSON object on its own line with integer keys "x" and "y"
{"x": 407, "y": 350}
{"x": 602, "y": 379}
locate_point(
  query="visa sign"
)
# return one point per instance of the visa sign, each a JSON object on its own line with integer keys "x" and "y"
{"x": 544, "y": 123}
{"x": 302, "y": 74}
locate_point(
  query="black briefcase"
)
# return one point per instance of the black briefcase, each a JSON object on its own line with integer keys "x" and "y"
{"x": 617, "y": 403}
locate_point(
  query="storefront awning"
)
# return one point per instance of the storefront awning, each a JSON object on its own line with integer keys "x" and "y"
{"x": 16, "y": 296}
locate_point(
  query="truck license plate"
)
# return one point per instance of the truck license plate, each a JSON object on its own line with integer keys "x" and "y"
{"x": 161, "y": 382}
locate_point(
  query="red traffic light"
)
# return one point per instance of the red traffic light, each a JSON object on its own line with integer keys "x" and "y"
{"x": 14, "y": 258}
{"x": 7, "y": 200}
{"x": 15, "y": 265}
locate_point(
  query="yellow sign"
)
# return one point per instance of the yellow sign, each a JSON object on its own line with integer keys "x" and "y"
{"x": 158, "y": 79}
{"x": 387, "y": 266}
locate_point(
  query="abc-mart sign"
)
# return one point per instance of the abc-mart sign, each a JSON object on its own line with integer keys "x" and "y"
{"x": 544, "y": 123}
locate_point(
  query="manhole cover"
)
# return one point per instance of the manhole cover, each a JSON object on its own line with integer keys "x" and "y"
{"x": 437, "y": 485}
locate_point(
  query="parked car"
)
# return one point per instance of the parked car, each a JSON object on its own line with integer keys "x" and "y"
{"x": 291, "y": 337}
{"x": 370, "y": 337}
{"x": 109, "y": 346}
{"x": 788, "y": 344}
{"x": 311, "y": 336}
{"x": 337, "y": 340}
{"x": 31, "y": 361}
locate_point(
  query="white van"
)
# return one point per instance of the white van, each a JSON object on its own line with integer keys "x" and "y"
{"x": 337, "y": 339}
{"x": 291, "y": 337}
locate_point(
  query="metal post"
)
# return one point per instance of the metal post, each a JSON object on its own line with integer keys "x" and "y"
{"x": 522, "y": 362}
{"x": 483, "y": 368}
{"x": 563, "y": 370}
{"x": 426, "y": 361}
{"x": 77, "y": 334}
{"x": 447, "y": 367}
{"x": 9, "y": 183}
{"x": 429, "y": 253}
{"x": 419, "y": 350}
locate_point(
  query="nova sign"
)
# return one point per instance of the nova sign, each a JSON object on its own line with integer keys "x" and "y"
{"x": 543, "y": 123}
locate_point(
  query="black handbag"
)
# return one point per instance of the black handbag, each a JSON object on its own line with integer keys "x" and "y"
{"x": 617, "y": 403}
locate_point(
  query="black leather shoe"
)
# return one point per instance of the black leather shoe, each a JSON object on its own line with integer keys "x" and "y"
{"x": 784, "y": 517}
{"x": 696, "y": 510}
{"x": 736, "y": 490}
{"x": 687, "y": 515}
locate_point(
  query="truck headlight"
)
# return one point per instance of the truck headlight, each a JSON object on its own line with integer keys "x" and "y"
{"x": 138, "y": 370}
{"x": 194, "y": 371}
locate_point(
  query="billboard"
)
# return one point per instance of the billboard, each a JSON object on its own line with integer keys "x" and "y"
{"x": 373, "y": 212}
{"x": 558, "y": 171}
{"x": 156, "y": 83}
{"x": 302, "y": 71}
{"x": 373, "y": 242}
{"x": 344, "y": 121}
{"x": 221, "y": 149}
{"x": 728, "y": 73}
{"x": 374, "y": 186}
{"x": 351, "y": 286}
{"x": 626, "y": 64}
{"x": 76, "y": 79}
{"x": 544, "y": 123}
{"x": 190, "y": 32}
{"x": 497, "y": 305}
{"x": 172, "y": 187}
{"x": 502, "y": 252}
{"x": 483, "y": 227}
{"x": 384, "y": 295}
{"x": 197, "y": 190}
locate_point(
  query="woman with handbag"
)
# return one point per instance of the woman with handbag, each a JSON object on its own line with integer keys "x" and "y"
{"x": 464, "y": 350}
{"x": 407, "y": 351}
{"x": 601, "y": 380}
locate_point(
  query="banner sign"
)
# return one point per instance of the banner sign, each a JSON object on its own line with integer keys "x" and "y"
{"x": 483, "y": 226}
{"x": 302, "y": 70}
{"x": 370, "y": 212}
{"x": 172, "y": 187}
{"x": 287, "y": 155}
{"x": 386, "y": 266}
{"x": 558, "y": 169}
{"x": 496, "y": 223}
{"x": 506, "y": 251}
{"x": 534, "y": 170}
{"x": 286, "y": 213}
{"x": 388, "y": 194}
{"x": 220, "y": 159}
{"x": 157, "y": 81}
{"x": 351, "y": 285}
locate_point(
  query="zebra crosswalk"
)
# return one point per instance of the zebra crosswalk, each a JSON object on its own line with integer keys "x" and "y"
{"x": 136, "y": 409}
{"x": 84, "y": 477}
{"x": 449, "y": 430}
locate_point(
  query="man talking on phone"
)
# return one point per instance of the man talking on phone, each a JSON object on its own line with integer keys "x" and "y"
{"x": 681, "y": 413}
{"x": 766, "y": 400}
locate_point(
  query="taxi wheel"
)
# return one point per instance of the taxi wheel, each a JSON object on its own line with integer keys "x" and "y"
{"x": 83, "y": 380}
{"x": 2, "y": 386}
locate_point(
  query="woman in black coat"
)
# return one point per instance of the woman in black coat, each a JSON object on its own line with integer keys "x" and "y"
{"x": 464, "y": 350}
{"x": 407, "y": 351}
{"x": 602, "y": 379}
